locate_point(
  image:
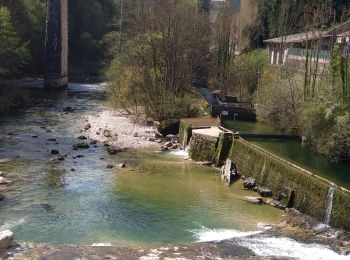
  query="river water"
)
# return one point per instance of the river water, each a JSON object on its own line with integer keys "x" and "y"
{"x": 158, "y": 199}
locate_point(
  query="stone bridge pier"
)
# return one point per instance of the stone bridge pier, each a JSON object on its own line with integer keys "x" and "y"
{"x": 56, "y": 45}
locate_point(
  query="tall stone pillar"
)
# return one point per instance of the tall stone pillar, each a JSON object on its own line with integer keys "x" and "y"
{"x": 56, "y": 45}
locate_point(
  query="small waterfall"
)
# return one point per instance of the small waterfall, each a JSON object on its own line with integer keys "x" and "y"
{"x": 184, "y": 141}
{"x": 328, "y": 211}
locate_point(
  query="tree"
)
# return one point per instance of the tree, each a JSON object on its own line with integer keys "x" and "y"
{"x": 157, "y": 64}
{"x": 14, "y": 53}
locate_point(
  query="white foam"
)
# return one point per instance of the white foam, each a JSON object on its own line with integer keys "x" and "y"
{"x": 101, "y": 244}
{"x": 183, "y": 153}
{"x": 286, "y": 247}
{"x": 265, "y": 246}
{"x": 11, "y": 224}
{"x": 205, "y": 234}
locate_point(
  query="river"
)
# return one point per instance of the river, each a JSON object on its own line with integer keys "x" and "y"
{"x": 160, "y": 198}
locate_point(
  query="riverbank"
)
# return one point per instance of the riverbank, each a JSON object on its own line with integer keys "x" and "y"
{"x": 114, "y": 128}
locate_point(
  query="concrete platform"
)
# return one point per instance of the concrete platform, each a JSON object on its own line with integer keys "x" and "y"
{"x": 212, "y": 131}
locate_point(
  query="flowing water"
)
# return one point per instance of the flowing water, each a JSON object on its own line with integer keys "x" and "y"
{"x": 328, "y": 212}
{"x": 158, "y": 199}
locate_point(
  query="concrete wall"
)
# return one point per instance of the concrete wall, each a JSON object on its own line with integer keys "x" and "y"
{"x": 56, "y": 45}
{"x": 287, "y": 181}
{"x": 293, "y": 186}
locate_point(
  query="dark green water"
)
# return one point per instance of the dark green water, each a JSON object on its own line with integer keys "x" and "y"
{"x": 158, "y": 199}
{"x": 296, "y": 152}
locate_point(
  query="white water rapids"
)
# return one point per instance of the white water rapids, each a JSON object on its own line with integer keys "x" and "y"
{"x": 266, "y": 246}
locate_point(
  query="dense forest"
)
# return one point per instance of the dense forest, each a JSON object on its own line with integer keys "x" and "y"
{"x": 153, "y": 51}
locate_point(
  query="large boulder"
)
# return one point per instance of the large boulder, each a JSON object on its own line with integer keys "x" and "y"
{"x": 169, "y": 126}
{"x": 4, "y": 181}
{"x": 6, "y": 238}
{"x": 249, "y": 183}
{"x": 253, "y": 200}
{"x": 264, "y": 192}
{"x": 80, "y": 145}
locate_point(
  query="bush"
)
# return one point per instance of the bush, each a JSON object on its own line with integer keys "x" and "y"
{"x": 279, "y": 98}
{"x": 326, "y": 126}
{"x": 14, "y": 53}
{"x": 246, "y": 70}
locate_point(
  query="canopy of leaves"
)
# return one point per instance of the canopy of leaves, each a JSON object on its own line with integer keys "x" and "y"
{"x": 13, "y": 52}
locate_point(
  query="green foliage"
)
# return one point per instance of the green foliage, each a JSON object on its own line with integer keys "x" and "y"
{"x": 28, "y": 19}
{"x": 155, "y": 67}
{"x": 326, "y": 126}
{"x": 89, "y": 21}
{"x": 246, "y": 70}
{"x": 279, "y": 97}
{"x": 13, "y": 52}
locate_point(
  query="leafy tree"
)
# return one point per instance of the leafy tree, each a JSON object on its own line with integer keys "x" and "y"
{"x": 158, "y": 62}
{"x": 14, "y": 53}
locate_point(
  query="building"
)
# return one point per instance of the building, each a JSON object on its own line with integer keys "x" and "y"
{"x": 292, "y": 50}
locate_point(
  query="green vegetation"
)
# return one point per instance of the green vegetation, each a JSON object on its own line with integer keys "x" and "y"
{"x": 314, "y": 101}
{"x": 14, "y": 53}
{"x": 161, "y": 51}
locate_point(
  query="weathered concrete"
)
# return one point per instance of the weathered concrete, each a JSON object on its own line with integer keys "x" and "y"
{"x": 292, "y": 185}
{"x": 56, "y": 45}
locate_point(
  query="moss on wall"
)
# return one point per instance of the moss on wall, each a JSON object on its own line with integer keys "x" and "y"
{"x": 203, "y": 147}
{"x": 310, "y": 193}
{"x": 223, "y": 148}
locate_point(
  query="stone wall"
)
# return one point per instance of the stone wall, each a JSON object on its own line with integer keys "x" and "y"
{"x": 203, "y": 147}
{"x": 291, "y": 184}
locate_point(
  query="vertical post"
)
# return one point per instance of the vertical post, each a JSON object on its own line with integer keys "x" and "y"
{"x": 234, "y": 122}
{"x": 56, "y": 45}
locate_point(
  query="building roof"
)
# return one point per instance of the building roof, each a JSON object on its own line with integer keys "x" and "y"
{"x": 299, "y": 37}
{"x": 341, "y": 30}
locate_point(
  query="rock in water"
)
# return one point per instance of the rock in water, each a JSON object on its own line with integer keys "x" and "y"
{"x": 112, "y": 151}
{"x": 121, "y": 165}
{"x": 55, "y": 152}
{"x": 6, "y": 238}
{"x": 249, "y": 183}
{"x": 4, "y": 181}
{"x": 254, "y": 200}
{"x": 81, "y": 145}
{"x": 68, "y": 109}
{"x": 264, "y": 192}
{"x": 82, "y": 137}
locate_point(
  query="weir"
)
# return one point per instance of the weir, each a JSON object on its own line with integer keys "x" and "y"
{"x": 56, "y": 45}
{"x": 290, "y": 184}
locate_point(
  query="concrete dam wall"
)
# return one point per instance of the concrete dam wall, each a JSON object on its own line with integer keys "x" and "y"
{"x": 290, "y": 184}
